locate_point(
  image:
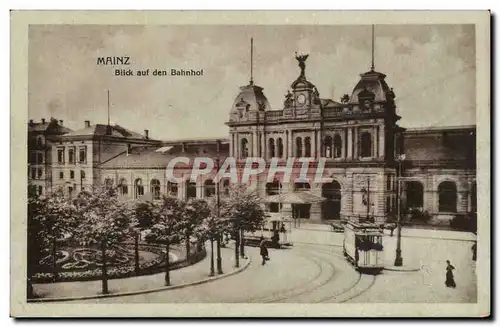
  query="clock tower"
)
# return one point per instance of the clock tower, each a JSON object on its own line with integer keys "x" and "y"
{"x": 304, "y": 99}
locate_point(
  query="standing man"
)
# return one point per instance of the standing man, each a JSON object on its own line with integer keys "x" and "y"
{"x": 263, "y": 250}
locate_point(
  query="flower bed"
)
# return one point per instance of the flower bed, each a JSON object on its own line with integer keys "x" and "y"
{"x": 156, "y": 265}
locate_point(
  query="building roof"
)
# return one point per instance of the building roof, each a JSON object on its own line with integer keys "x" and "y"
{"x": 101, "y": 129}
{"x": 48, "y": 127}
{"x": 252, "y": 97}
{"x": 159, "y": 157}
{"x": 373, "y": 82}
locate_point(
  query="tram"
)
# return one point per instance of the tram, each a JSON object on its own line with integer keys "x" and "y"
{"x": 276, "y": 230}
{"x": 363, "y": 246}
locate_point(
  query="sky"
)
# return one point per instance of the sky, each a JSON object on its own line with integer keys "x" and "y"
{"x": 430, "y": 67}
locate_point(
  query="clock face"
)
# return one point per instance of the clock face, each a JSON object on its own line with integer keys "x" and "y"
{"x": 301, "y": 99}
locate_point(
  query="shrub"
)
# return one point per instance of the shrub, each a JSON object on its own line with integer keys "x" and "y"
{"x": 420, "y": 216}
{"x": 466, "y": 222}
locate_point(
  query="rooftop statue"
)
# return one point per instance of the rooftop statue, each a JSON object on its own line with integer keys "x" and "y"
{"x": 302, "y": 62}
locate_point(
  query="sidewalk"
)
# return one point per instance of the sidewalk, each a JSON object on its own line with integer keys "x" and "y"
{"x": 190, "y": 274}
{"x": 405, "y": 232}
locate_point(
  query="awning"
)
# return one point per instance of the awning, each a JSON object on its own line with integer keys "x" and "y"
{"x": 297, "y": 197}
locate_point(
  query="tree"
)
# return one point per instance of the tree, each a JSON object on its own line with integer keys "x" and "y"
{"x": 195, "y": 211}
{"x": 244, "y": 209}
{"x": 54, "y": 216}
{"x": 35, "y": 242}
{"x": 103, "y": 221}
{"x": 211, "y": 227}
{"x": 165, "y": 227}
{"x": 143, "y": 218}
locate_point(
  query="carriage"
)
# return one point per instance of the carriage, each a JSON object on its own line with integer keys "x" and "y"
{"x": 363, "y": 246}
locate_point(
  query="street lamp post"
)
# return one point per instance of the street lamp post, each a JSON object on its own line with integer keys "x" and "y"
{"x": 399, "y": 259}
{"x": 219, "y": 234}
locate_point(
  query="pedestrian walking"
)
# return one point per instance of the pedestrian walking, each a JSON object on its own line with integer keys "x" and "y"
{"x": 474, "y": 251}
{"x": 263, "y": 251}
{"x": 450, "y": 281}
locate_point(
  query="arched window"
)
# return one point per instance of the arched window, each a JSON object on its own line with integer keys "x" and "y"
{"x": 366, "y": 145}
{"x": 172, "y": 189}
{"x": 244, "y": 148}
{"x": 307, "y": 152}
{"x": 328, "y": 147}
{"x": 447, "y": 197}
{"x": 155, "y": 189}
{"x": 414, "y": 195}
{"x": 331, "y": 206}
{"x": 209, "y": 188}
{"x": 280, "y": 147}
{"x": 122, "y": 186}
{"x": 298, "y": 147}
{"x": 272, "y": 150}
{"x": 337, "y": 146}
{"x": 190, "y": 190}
{"x": 108, "y": 183}
{"x": 139, "y": 188}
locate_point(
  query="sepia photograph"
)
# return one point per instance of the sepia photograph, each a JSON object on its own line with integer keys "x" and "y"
{"x": 221, "y": 166}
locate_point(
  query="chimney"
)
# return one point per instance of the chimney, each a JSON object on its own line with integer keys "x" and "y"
{"x": 60, "y": 122}
{"x": 87, "y": 123}
{"x": 43, "y": 120}
{"x": 146, "y": 133}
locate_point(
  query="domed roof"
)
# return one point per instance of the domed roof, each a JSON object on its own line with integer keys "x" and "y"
{"x": 371, "y": 83}
{"x": 252, "y": 98}
{"x": 302, "y": 83}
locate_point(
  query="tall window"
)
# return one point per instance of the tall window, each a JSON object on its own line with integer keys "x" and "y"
{"x": 172, "y": 189}
{"x": 82, "y": 174}
{"x": 61, "y": 175}
{"x": 414, "y": 194}
{"x": 39, "y": 158}
{"x": 366, "y": 145}
{"x": 33, "y": 173}
{"x": 60, "y": 155}
{"x": 307, "y": 152}
{"x": 39, "y": 173}
{"x": 244, "y": 148}
{"x": 447, "y": 197}
{"x": 83, "y": 154}
{"x": 272, "y": 149}
{"x": 139, "y": 188}
{"x": 33, "y": 157}
{"x": 39, "y": 141}
{"x": 298, "y": 147}
{"x": 155, "y": 189}
{"x": 225, "y": 187}
{"x": 328, "y": 146}
{"x": 40, "y": 189}
{"x": 71, "y": 155}
{"x": 122, "y": 186}
{"x": 337, "y": 146}
{"x": 72, "y": 174}
{"x": 190, "y": 190}
{"x": 473, "y": 198}
{"x": 280, "y": 147}
{"x": 209, "y": 188}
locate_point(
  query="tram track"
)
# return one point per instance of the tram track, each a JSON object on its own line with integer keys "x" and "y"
{"x": 361, "y": 278}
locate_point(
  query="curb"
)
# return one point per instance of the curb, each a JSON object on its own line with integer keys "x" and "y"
{"x": 165, "y": 288}
{"x": 402, "y": 269}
